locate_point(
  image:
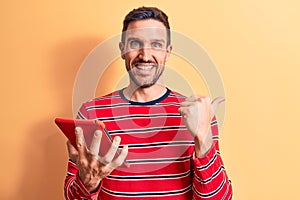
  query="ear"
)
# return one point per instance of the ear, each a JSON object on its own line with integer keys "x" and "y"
{"x": 169, "y": 50}
{"x": 122, "y": 47}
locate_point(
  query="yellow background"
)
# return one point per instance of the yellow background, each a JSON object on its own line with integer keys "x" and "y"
{"x": 254, "y": 43}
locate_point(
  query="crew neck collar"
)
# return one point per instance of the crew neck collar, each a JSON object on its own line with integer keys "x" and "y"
{"x": 165, "y": 95}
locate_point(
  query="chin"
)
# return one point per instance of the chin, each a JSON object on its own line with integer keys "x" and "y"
{"x": 146, "y": 85}
{"x": 143, "y": 84}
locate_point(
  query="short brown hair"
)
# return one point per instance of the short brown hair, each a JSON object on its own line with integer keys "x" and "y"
{"x": 142, "y": 13}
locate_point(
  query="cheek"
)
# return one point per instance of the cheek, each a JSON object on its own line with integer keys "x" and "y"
{"x": 131, "y": 55}
{"x": 161, "y": 56}
{"x": 161, "y": 59}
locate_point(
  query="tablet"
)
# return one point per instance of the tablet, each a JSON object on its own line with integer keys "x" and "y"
{"x": 67, "y": 126}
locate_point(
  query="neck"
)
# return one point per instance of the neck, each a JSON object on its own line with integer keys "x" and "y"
{"x": 138, "y": 94}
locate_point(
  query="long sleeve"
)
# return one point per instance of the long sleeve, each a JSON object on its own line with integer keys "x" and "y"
{"x": 206, "y": 176}
{"x": 74, "y": 188}
{"x": 210, "y": 180}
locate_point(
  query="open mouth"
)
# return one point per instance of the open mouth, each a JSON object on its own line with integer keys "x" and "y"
{"x": 145, "y": 66}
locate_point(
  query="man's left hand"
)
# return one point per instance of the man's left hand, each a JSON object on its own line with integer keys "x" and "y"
{"x": 198, "y": 112}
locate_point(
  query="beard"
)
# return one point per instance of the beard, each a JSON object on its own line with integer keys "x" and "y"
{"x": 145, "y": 81}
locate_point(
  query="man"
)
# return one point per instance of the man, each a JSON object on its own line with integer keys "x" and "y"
{"x": 168, "y": 141}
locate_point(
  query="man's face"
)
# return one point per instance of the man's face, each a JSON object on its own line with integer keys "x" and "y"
{"x": 145, "y": 51}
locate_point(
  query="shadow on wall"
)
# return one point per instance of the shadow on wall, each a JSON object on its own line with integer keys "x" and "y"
{"x": 45, "y": 154}
{"x": 44, "y": 166}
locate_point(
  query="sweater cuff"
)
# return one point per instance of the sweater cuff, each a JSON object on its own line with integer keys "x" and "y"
{"x": 207, "y": 158}
{"x": 83, "y": 189}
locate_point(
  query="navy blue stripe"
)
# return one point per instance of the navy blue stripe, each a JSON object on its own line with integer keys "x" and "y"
{"x": 159, "y": 160}
{"x": 147, "y": 129}
{"x": 227, "y": 190}
{"x": 178, "y": 96}
{"x": 80, "y": 115}
{"x": 127, "y": 104}
{"x": 215, "y": 137}
{"x": 160, "y": 144}
{"x": 155, "y": 177}
{"x": 221, "y": 168}
{"x": 209, "y": 163}
{"x": 138, "y": 116}
{"x": 211, "y": 193}
{"x": 106, "y": 97}
{"x": 213, "y": 122}
{"x": 107, "y": 106}
{"x": 135, "y": 194}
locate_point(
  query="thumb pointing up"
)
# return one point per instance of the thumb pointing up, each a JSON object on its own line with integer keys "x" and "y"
{"x": 215, "y": 103}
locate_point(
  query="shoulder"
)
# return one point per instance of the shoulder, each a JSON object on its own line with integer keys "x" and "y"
{"x": 93, "y": 108}
{"x": 103, "y": 100}
{"x": 176, "y": 96}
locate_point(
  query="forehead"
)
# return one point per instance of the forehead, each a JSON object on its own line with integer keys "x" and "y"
{"x": 146, "y": 29}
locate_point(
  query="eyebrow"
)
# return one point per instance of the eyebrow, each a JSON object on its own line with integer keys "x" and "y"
{"x": 132, "y": 38}
{"x": 159, "y": 40}
{"x": 154, "y": 40}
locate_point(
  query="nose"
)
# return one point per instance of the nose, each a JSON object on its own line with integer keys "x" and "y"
{"x": 145, "y": 54}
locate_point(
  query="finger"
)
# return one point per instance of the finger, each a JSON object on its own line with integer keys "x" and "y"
{"x": 111, "y": 151}
{"x": 120, "y": 159}
{"x": 183, "y": 111}
{"x": 187, "y": 103}
{"x": 204, "y": 99}
{"x": 196, "y": 98}
{"x": 192, "y": 98}
{"x": 215, "y": 103}
{"x": 79, "y": 137}
{"x": 71, "y": 148}
{"x": 95, "y": 145}
{"x": 82, "y": 151}
{"x": 72, "y": 152}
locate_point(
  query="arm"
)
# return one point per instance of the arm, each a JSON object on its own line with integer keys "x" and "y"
{"x": 86, "y": 168}
{"x": 210, "y": 178}
{"x": 73, "y": 186}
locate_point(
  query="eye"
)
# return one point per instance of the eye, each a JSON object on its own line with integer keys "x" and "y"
{"x": 157, "y": 45}
{"x": 134, "y": 44}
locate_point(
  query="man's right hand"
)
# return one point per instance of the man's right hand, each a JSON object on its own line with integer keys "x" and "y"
{"x": 93, "y": 168}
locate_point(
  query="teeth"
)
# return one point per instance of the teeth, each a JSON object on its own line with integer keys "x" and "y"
{"x": 144, "y": 67}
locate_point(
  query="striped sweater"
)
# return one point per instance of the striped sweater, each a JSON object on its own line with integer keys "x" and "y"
{"x": 161, "y": 153}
